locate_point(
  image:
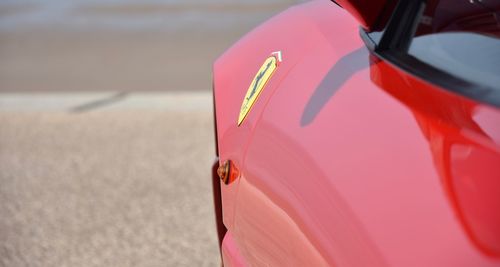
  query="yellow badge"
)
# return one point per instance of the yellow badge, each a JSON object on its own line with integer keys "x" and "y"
{"x": 259, "y": 82}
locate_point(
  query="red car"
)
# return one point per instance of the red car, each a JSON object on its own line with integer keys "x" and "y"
{"x": 361, "y": 133}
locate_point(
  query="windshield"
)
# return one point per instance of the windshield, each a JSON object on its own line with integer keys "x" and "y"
{"x": 462, "y": 38}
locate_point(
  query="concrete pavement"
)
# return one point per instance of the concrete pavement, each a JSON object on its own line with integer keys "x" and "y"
{"x": 121, "y": 184}
{"x": 104, "y": 157}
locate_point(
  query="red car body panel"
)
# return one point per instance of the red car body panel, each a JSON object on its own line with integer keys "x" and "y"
{"x": 347, "y": 160}
{"x": 366, "y": 12}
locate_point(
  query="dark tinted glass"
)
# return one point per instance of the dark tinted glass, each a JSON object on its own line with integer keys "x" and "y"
{"x": 462, "y": 38}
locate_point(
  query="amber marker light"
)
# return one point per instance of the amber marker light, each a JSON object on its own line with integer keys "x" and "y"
{"x": 227, "y": 172}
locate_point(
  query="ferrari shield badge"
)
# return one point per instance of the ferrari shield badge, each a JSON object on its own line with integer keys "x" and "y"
{"x": 260, "y": 80}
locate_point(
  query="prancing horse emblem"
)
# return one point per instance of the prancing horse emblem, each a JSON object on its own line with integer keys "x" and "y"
{"x": 260, "y": 80}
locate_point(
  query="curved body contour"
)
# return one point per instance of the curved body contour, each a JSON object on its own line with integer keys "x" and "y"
{"x": 346, "y": 160}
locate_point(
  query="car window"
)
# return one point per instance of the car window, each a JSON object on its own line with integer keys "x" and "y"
{"x": 462, "y": 38}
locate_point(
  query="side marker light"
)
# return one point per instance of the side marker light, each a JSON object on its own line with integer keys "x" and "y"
{"x": 228, "y": 172}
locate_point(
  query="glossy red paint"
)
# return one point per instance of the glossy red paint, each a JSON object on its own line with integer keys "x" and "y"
{"x": 464, "y": 138}
{"x": 346, "y": 160}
